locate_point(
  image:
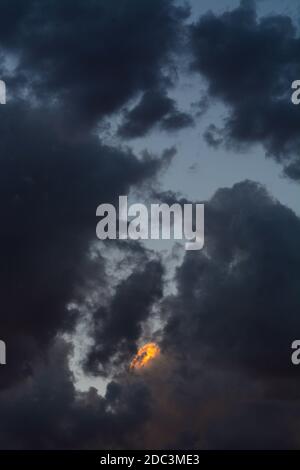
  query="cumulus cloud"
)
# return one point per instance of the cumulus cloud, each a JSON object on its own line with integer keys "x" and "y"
{"x": 51, "y": 186}
{"x": 249, "y": 64}
{"x": 233, "y": 319}
{"x": 88, "y": 57}
{"x": 46, "y": 412}
{"x": 225, "y": 347}
{"x": 237, "y": 299}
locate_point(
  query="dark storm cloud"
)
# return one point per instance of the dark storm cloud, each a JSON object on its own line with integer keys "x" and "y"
{"x": 237, "y": 299}
{"x": 250, "y": 64}
{"x": 82, "y": 60}
{"x": 118, "y": 327}
{"x": 154, "y": 107}
{"x": 89, "y": 56}
{"x": 225, "y": 361}
{"x": 50, "y": 187}
{"x": 233, "y": 319}
{"x": 46, "y": 412}
{"x": 225, "y": 367}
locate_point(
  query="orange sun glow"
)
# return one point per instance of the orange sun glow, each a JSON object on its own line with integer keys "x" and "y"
{"x": 145, "y": 355}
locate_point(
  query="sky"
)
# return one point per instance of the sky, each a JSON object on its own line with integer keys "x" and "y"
{"x": 162, "y": 101}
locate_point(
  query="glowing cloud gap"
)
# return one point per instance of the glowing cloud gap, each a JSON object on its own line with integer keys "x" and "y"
{"x": 145, "y": 355}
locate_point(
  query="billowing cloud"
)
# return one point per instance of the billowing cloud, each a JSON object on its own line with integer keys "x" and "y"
{"x": 249, "y": 64}
{"x": 237, "y": 301}
{"x": 88, "y": 57}
{"x": 225, "y": 348}
{"x": 46, "y": 411}
{"x": 233, "y": 319}
{"x": 50, "y": 188}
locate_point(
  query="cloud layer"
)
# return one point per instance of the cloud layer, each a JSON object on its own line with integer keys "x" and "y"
{"x": 224, "y": 378}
